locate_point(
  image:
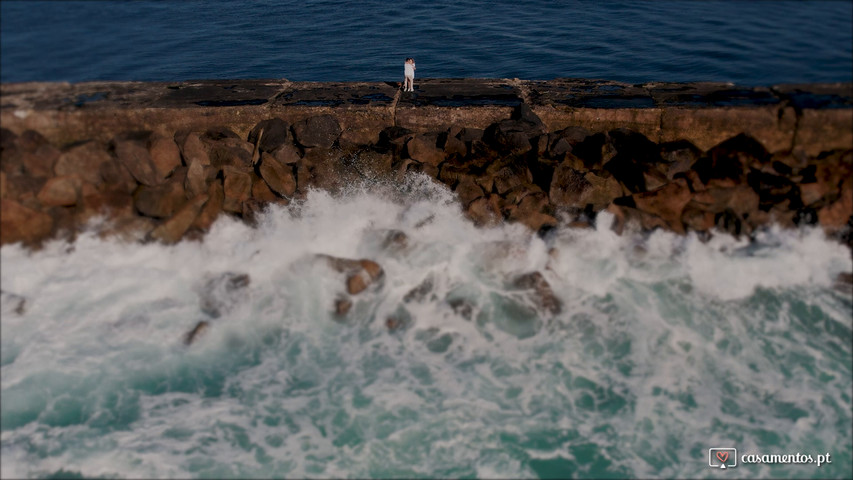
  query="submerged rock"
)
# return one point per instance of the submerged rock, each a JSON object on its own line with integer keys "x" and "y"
{"x": 219, "y": 294}
{"x": 197, "y": 331}
{"x": 540, "y": 292}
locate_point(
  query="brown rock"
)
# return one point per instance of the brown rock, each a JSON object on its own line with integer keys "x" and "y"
{"x": 454, "y": 146}
{"x": 61, "y": 191}
{"x": 21, "y": 224}
{"x": 275, "y": 134}
{"x": 111, "y": 203}
{"x": 23, "y": 187}
{"x": 222, "y": 155}
{"x": 3, "y": 187}
{"x": 360, "y": 273}
{"x": 165, "y": 155}
{"x": 342, "y": 306}
{"x": 741, "y": 199}
{"x": 261, "y": 191}
{"x": 132, "y": 152}
{"x": 192, "y": 148}
{"x": 572, "y": 188}
{"x": 211, "y": 210}
{"x": 237, "y": 188}
{"x": 160, "y": 201}
{"x": 83, "y": 159}
{"x": 483, "y": 212}
{"x": 541, "y": 292}
{"x": 696, "y": 219}
{"x": 318, "y": 131}
{"x": 279, "y": 177}
{"x": 510, "y": 177}
{"x": 286, "y": 154}
{"x": 41, "y": 162}
{"x": 667, "y": 202}
{"x": 372, "y": 164}
{"x": 173, "y": 229}
{"x": 835, "y": 216}
{"x": 468, "y": 191}
{"x": 198, "y": 178}
{"x": 424, "y": 149}
{"x": 117, "y": 177}
{"x": 196, "y": 333}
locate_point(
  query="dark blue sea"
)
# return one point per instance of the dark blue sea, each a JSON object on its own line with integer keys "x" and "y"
{"x": 745, "y": 42}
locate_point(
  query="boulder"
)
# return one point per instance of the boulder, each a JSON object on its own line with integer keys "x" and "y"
{"x": 197, "y": 332}
{"x": 165, "y": 155}
{"x": 317, "y": 131}
{"x": 454, "y": 147}
{"x": 572, "y": 188}
{"x": 279, "y": 177}
{"x": 667, "y": 202}
{"x": 679, "y": 157}
{"x": 540, "y": 292}
{"x": 112, "y": 203}
{"x": 173, "y": 229}
{"x": 212, "y": 208}
{"x": 117, "y": 176}
{"x": 199, "y": 176}
{"x": 192, "y": 148}
{"x": 41, "y": 162}
{"x": 21, "y": 224}
{"x": 286, "y": 154}
{"x": 223, "y": 154}
{"x": 61, "y": 191}
{"x": 261, "y": 191}
{"x": 237, "y": 188}
{"x": 160, "y": 201}
{"x": 219, "y": 294}
{"x": 727, "y": 163}
{"x": 83, "y": 159}
{"x": 740, "y": 199}
{"x": 467, "y": 190}
{"x": 132, "y": 151}
{"x": 424, "y": 149}
{"x": 23, "y": 187}
{"x": 835, "y": 217}
{"x": 360, "y": 274}
{"x": 275, "y": 134}
{"x": 565, "y": 141}
{"x": 484, "y": 212}
{"x": 371, "y": 164}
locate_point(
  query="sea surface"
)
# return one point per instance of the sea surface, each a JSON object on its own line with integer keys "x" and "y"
{"x": 748, "y": 42}
{"x": 665, "y": 346}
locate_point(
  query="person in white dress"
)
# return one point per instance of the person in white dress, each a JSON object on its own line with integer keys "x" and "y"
{"x": 409, "y": 69}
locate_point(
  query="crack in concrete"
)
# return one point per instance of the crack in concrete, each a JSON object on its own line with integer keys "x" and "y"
{"x": 394, "y": 107}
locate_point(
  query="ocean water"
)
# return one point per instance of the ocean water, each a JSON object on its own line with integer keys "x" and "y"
{"x": 748, "y": 42}
{"x": 665, "y": 346}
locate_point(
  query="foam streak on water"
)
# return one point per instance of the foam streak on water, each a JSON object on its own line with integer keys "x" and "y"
{"x": 665, "y": 346}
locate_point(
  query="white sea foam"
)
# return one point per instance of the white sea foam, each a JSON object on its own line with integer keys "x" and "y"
{"x": 665, "y": 346}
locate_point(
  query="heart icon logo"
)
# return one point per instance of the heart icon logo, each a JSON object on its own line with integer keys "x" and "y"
{"x": 722, "y": 456}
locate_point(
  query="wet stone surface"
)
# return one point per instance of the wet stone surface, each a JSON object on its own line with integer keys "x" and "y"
{"x": 580, "y": 93}
{"x": 316, "y": 94}
{"x": 461, "y": 93}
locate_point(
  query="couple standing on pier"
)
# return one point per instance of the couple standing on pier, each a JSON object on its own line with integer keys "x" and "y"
{"x": 409, "y": 75}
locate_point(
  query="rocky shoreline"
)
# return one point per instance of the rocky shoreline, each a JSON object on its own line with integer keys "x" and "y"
{"x": 163, "y": 162}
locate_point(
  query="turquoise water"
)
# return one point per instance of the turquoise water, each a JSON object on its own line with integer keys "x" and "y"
{"x": 664, "y": 347}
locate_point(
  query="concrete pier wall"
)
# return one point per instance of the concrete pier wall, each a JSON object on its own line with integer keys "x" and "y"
{"x": 785, "y": 134}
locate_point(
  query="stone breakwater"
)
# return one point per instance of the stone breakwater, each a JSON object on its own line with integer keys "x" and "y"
{"x": 163, "y": 161}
